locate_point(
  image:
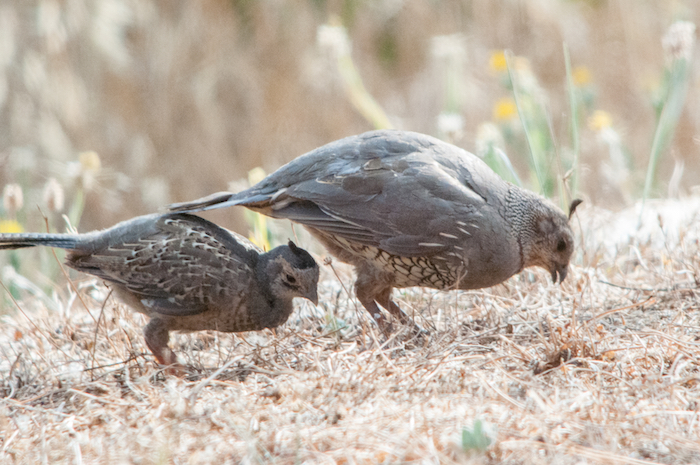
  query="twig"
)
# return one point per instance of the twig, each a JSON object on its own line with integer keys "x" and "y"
{"x": 650, "y": 300}
{"x": 648, "y": 289}
{"x": 97, "y": 328}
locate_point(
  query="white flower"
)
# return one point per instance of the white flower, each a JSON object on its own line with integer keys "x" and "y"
{"x": 488, "y": 136}
{"x": 448, "y": 47}
{"x": 450, "y": 124}
{"x": 333, "y": 39}
{"x": 679, "y": 40}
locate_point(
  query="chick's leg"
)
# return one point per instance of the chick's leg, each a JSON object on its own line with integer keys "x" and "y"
{"x": 156, "y": 335}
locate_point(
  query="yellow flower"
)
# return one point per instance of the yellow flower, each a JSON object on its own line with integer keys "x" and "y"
{"x": 256, "y": 175}
{"x": 497, "y": 62}
{"x": 10, "y": 226}
{"x": 90, "y": 161}
{"x": 581, "y": 76}
{"x": 89, "y": 165}
{"x": 505, "y": 109}
{"x": 600, "y": 120}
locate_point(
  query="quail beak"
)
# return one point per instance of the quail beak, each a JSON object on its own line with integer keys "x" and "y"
{"x": 559, "y": 273}
{"x": 312, "y": 295}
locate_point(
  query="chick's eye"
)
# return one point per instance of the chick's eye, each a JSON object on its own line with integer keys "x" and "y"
{"x": 561, "y": 245}
{"x": 291, "y": 279}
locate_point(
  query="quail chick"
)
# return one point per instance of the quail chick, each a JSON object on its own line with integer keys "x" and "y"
{"x": 189, "y": 274}
{"x": 407, "y": 209}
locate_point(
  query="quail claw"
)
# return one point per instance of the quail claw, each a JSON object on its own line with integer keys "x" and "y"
{"x": 176, "y": 370}
{"x": 384, "y": 324}
{"x": 419, "y": 336}
{"x": 168, "y": 361}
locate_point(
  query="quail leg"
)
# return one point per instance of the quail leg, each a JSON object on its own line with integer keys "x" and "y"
{"x": 370, "y": 294}
{"x": 156, "y": 335}
{"x": 370, "y": 305}
{"x": 384, "y": 299}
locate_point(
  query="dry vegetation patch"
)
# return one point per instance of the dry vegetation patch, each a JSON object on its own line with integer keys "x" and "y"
{"x": 603, "y": 369}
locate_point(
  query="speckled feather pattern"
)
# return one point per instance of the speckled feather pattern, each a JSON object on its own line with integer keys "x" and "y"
{"x": 178, "y": 270}
{"x": 431, "y": 271}
{"x": 186, "y": 273}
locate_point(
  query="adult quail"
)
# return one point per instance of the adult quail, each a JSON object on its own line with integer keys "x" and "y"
{"x": 186, "y": 273}
{"x": 407, "y": 209}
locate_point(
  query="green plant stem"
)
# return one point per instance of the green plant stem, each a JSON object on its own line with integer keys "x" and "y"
{"x": 572, "y": 171}
{"x": 668, "y": 120}
{"x": 523, "y": 119}
{"x": 358, "y": 95}
{"x": 76, "y": 210}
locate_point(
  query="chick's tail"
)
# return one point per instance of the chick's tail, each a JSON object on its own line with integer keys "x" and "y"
{"x": 19, "y": 241}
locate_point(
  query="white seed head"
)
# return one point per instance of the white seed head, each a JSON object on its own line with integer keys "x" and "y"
{"x": 450, "y": 124}
{"x": 54, "y": 197}
{"x": 333, "y": 40}
{"x": 12, "y": 199}
{"x": 488, "y": 136}
{"x": 679, "y": 41}
{"x": 449, "y": 47}
{"x": 90, "y": 165}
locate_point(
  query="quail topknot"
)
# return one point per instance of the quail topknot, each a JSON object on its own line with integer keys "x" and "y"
{"x": 189, "y": 274}
{"x": 407, "y": 209}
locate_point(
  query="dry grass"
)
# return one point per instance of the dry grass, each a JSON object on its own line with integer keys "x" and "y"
{"x": 603, "y": 369}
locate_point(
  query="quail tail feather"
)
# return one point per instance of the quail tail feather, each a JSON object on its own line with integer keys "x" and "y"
{"x": 210, "y": 202}
{"x": 19, "y": 241}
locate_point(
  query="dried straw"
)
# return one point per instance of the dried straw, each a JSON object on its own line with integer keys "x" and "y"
{"x": 603, "y": 369}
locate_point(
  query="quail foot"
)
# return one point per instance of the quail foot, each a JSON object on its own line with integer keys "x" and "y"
{"x": 407, "y": 209}
{"x": 186, "y": 273}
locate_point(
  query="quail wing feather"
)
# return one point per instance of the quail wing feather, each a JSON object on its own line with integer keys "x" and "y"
{"x": 174, "y": 269}
{"x": 399, "y": 200}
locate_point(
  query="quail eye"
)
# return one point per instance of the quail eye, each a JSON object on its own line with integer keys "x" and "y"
{"x": 561, "y": 245}
{"x": 291, "y": 279}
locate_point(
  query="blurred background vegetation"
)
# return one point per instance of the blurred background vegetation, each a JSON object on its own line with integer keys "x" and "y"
{"x": 114, "y": 108}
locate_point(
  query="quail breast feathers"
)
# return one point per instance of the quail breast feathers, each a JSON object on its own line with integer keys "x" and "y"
{"x": 407, "y": 209}
{"x": 187, "y": 273}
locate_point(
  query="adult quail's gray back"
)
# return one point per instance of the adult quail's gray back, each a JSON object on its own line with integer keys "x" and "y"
{"x": 410, "y": 210}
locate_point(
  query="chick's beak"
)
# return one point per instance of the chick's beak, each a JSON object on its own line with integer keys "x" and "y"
{"x": 559, "y": 273}
{"x": 312, "y": 295}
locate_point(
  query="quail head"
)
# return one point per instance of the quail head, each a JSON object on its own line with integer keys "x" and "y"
{"x": 188, "y": 274}
{"x": 407, "y": 209}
